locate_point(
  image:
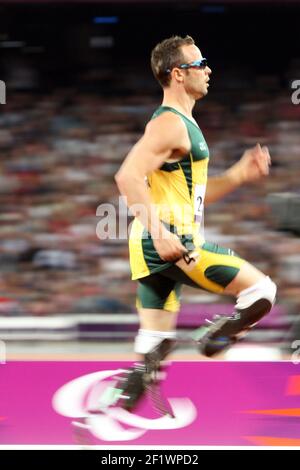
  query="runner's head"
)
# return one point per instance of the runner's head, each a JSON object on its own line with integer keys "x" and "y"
{"x": 178, "y": 62}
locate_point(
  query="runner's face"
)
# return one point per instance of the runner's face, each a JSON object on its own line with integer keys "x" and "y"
{"x": 196, "y": 80}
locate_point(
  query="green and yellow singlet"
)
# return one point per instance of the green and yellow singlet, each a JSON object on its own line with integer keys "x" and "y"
{"x": 178, "y": 191}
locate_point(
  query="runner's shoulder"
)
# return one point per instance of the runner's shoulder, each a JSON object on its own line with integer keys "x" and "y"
{"x": 167, "y": 122}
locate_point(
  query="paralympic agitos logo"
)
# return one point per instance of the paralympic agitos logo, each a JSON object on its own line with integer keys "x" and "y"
{"x": 79, "y": 399}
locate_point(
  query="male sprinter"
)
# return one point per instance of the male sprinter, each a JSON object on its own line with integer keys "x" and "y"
{"x": 164, "y": 179}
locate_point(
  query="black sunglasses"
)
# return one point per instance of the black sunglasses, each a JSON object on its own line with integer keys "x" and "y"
{"x": 197, "y": 64}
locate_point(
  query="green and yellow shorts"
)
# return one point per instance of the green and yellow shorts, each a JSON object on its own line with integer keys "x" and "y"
{"x": 213, "y": 269}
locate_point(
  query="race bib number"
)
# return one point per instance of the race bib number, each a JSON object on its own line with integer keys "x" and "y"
{"x": 199, "y": 194}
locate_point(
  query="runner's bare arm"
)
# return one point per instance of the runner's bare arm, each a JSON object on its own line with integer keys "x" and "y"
{"x": 253, "y": 165}
{"x": 164, "y": 136}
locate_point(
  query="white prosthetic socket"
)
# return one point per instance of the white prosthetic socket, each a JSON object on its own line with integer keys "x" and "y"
{"x": 144, "y": 376}
{"x": 147, "y": 340}
{"x": 155, "y": 346}
{"x": 263, "y": 289}
{"x": 251, "y": 306}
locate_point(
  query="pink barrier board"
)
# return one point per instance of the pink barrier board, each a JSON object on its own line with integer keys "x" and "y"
{"x": 215, "y": 403}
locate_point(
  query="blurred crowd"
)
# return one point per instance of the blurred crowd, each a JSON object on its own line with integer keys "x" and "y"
{"x": 58, "y": 156}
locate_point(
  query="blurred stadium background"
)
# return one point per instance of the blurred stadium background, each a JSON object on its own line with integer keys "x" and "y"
{"x": 79, "y": 90}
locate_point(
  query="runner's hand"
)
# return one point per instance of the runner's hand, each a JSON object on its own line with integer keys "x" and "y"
{"x": 169, "y": 246}
{"x": 254, "y": 164}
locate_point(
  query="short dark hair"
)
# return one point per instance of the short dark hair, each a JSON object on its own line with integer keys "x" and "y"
{"x": 167, "y": 55}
